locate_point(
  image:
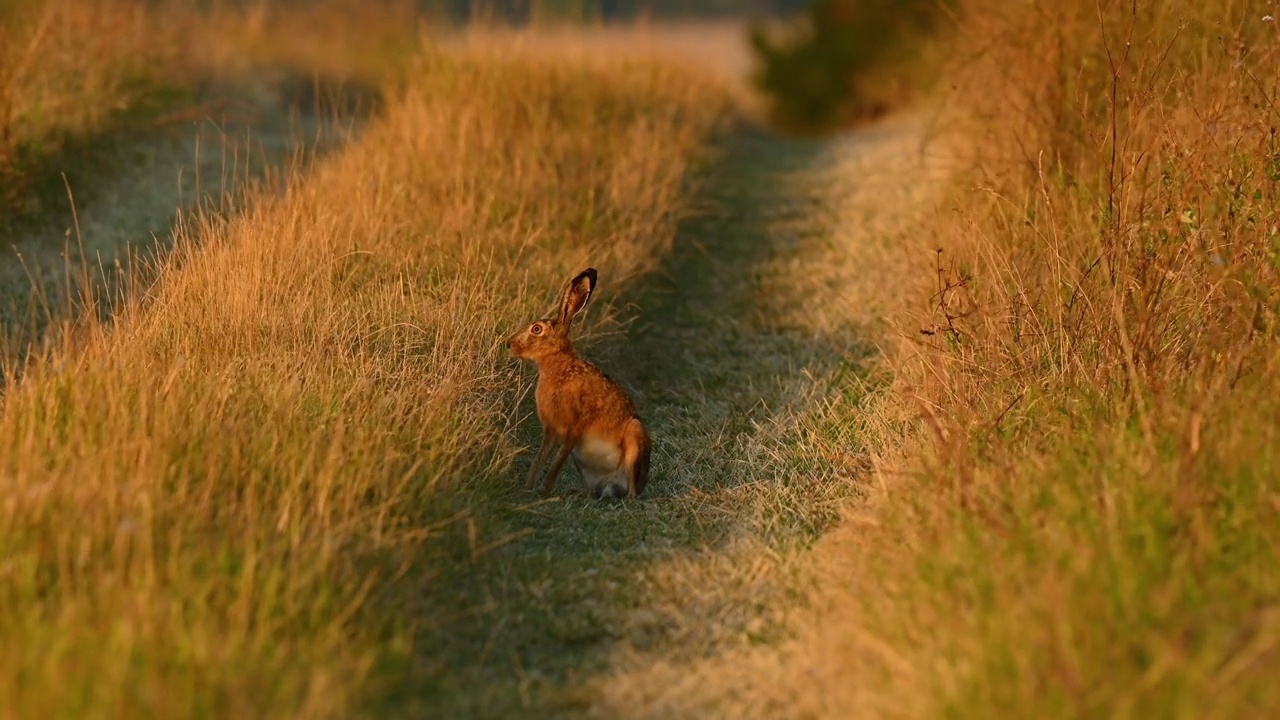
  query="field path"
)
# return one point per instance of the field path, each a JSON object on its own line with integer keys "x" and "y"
{"x": 119, "y": 193}
{"x": 734, "y": 348}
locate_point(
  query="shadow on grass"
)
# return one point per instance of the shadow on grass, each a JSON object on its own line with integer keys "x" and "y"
{"x": 709, "y": 363}
{"x": 79, "y": 210}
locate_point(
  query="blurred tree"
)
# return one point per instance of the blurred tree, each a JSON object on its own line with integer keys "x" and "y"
{"x": 816, "y": 70}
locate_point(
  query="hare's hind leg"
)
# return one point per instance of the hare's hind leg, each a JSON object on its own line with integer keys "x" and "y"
{"x": 538, "y": 459}
{"x": 555, "y": 466}
{"x": 635, "y": 457}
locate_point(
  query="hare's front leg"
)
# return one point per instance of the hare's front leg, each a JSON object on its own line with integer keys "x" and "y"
{"x": 555, "y": 466}
{"x": 548, "y": 440}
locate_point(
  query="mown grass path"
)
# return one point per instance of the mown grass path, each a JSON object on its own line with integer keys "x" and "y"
{"x": 722, "y": 360}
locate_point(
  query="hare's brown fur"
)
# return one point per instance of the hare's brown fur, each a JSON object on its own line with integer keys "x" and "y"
{"x": 584, "y": 414}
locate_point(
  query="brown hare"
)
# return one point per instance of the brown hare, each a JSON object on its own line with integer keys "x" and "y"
{"x": 582, "y": 411}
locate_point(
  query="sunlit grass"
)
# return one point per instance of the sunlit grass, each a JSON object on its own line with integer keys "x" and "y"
{"x": 1073, "y": 510}
{"x": 221, "y": 502}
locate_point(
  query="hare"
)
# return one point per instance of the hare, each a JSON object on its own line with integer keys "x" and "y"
{"x": 583, "y": 412}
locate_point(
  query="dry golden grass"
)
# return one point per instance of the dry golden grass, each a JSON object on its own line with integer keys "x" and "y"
{"x": 1095, "y": 522}
{"x": 1101, "y": 384}
{"x": 222, "y": 502}
{"x": 1074, "y": 504}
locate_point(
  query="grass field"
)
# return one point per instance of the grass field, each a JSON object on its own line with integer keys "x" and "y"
{"x": 971, "y": 413}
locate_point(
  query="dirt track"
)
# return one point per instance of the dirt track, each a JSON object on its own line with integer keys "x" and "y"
{"x": 759, "y": 320}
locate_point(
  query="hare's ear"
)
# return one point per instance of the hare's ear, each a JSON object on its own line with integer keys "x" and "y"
{"x": 576, "y": 295}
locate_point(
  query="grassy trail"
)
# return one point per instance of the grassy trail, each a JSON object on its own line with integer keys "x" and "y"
{"x": 723, "y": 362}
{"x": 115, "y": 195}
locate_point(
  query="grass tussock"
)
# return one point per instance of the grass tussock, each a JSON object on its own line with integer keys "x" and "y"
{"x": 223, "y": 503}
{"x": 1090, "y": 526}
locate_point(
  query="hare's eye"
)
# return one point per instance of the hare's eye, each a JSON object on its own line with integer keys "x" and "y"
{"x": 536, "y": 329}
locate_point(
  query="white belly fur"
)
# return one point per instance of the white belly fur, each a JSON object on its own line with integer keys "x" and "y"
{"x": 600, "y": 462}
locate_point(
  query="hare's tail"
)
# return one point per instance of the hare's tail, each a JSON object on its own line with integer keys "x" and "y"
{"x": 639, "y": 441}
